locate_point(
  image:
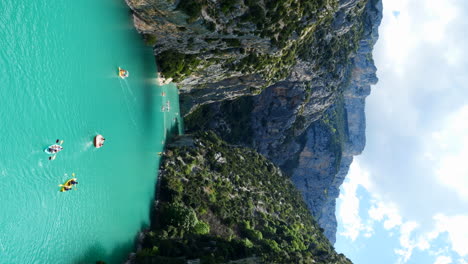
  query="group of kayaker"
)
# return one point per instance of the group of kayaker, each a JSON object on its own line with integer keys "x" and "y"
{"x": 98, "y": 142}
{"x": 57, "y": 147}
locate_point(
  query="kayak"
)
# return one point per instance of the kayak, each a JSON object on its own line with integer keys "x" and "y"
{"x": 53, "y": 149}
{"x": 123, "y": 73}
{"x": 67, "y": 184}
{"x": 99, "y": 141}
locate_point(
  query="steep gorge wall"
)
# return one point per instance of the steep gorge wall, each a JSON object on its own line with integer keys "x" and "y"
{"x": 318, "y": 174}
{"x": 298, "y": 99}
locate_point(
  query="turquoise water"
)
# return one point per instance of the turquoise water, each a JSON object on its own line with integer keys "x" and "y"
{"x": 59, "y": 64}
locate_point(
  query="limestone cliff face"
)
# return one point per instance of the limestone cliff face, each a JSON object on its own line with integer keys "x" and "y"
{"x": 292, "y": 89}
{"x": 232, "y": 48}
{"x": 320, "y": 172}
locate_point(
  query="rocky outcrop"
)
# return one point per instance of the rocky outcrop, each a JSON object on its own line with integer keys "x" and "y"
{"x": 320, "y": 172}
{"x": 232, "y": 48}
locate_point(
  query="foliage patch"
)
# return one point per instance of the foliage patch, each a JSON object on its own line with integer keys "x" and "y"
{"x": 220, "y": 203}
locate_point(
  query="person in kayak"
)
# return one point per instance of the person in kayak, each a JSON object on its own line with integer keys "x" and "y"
{"x": 69, "y": 184}
{"x": 55, "y": 149}
{"x": 123, "y": 73}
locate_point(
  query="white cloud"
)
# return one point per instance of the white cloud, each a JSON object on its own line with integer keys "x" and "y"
{"x": 448, "y": 149}
{"x": 406, "y": 33}
{"x": 416, "y": 155}
{"x": 454, "y": 55}
{"x": 396, "y": 28}
{"x": 348, "y": 210}
{"x": 439, "y": 15}
{"x": 388, "y": 211}
{"x": 455, "y": 226}
{"x": 405, "y": 232}
{"x": 457, "y": 229}
{"x": 443, "y": 260}
{"x": 407, "y": 244}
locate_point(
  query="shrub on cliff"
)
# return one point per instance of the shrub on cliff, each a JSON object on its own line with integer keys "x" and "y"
{"x": 174, "y": 64}
{"x": 192, "y": 8}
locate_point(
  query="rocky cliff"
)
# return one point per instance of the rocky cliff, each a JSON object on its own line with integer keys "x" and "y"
{"x": 287, "y": 78}
{"x": 221, "y": 50}
{"x": 322, "y": 168}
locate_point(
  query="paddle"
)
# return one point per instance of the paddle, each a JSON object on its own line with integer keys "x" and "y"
{"x": 76, "y": 187}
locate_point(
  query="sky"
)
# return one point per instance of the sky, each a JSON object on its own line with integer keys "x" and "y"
{"x": 405, "y": 199}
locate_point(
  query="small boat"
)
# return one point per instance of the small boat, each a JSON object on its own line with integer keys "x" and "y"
{"x": 53, "y": 149}
{"x": 123, "y": 73}
{"x": 99, "y": 141}
{"x": 68, "y": 184}
{"x": 166, "y": 107}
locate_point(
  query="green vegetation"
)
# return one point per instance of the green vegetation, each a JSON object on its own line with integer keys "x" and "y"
{"x": 150, "y": 40}
{"x": 233, "y": 42}
{"x": 176, "y": 65}
{"x": 235, "y": 115}
{"x": 192, "y": 8}
{"x": 219, "y": 203}
{"x": 335, "y": 119}
{"x": 228, "y": 5}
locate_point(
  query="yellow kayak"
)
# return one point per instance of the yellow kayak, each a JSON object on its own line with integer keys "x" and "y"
{"x": 68, "y": 184}
{"x": 123, "y": 73}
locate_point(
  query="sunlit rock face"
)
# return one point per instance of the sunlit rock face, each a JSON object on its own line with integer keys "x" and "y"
{"x": 318, "y": 174}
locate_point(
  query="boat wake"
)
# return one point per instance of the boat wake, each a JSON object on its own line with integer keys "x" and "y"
{"x": 87, "y": 145}
{"x": 124, "y": 83}
{"x": 126, "y": 90}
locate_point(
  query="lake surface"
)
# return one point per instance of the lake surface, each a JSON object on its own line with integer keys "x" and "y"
{"x": 59, "y": 64}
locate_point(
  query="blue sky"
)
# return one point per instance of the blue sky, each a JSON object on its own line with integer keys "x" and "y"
{"x": 405, "y": 199}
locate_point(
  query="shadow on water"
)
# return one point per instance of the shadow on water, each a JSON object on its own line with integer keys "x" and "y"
{"x": 148, "y": 89}
{"x": 174, "y": 130}
{"x": 97, "y": 254}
